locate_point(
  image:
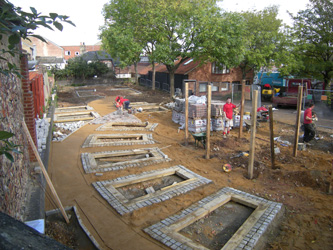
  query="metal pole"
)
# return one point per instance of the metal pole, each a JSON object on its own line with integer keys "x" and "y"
{"x": 271, "y": 127}
{"x": 209, "y": 109}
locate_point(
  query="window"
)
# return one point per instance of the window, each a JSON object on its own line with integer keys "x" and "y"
{"x": 203, "y": 87}
{"x": 215, "y": 88}
{"x": 218, "y": 68}
{"x": 225, "y": 86}
{"x": 67, "y": 53}
{"x": 77, "y": 53}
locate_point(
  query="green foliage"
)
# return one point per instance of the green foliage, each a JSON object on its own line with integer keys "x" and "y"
{"x": 17, "y": 24}
{"x": 266, "y": 43}
{"x": 7, "y": 146}
{"x": 313, "y": 36}
{"x": 168, "y": 30}
{"x": 78, "y": 68}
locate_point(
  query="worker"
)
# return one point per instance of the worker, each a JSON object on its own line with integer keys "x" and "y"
{"x": 309, "y": 130}
{"x": 228, "y": 116}
{"x": 124, "y": 102}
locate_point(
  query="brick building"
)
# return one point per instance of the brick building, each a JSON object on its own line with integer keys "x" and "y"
{"x": 77, "y": 50}
{"x": 199, "y": 75}
{"x": 37, "y": 48}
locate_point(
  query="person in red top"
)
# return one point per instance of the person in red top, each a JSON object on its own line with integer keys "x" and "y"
{"x": 124, "y": 102}
{"x": 309, "y": 130}
{"x": 228, "y": 111}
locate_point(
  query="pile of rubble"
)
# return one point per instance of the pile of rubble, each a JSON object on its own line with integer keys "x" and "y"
{"x": 62, "y": 130}
{"x": 42, "y": 129}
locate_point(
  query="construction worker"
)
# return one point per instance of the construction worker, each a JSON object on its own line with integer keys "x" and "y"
{"x": 309, "y": 130}
{"x": 228, "y": 111}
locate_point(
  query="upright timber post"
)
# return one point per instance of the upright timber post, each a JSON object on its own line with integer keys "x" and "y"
{"x": 209, "y": 109}
{"x": 298, "y": 118}
{"x": 253, "y": 133}
{"x": 186, "y": 113}
{"x": 271, "y": 127}
{"x": 242, "y": 110}
{"x": 48, "y": 180}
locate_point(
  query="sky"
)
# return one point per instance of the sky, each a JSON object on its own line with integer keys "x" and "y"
{"x": 88, "y": 17}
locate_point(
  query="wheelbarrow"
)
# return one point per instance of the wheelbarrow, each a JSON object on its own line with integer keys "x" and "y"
{"x": 199, "y": 138}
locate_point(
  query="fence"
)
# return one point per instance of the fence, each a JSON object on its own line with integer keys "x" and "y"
{"x": 148, "y": 83}
{"x": 321, "y": 97}
{"x": 37, "y": 88}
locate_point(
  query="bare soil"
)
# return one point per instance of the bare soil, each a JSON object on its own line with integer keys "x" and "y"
{"x": 300, "y": 183}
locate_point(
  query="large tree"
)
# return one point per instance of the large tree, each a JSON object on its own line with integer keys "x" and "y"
{"x": 264, "y": 39}
{"x": 171, "y": 31}
{"x": 313, "y": 38}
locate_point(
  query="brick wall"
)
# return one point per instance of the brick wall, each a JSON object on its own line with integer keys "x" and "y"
{"x": 79, "y": 49}
{"x": 204, "y": 74}
{"x": 14, "y": 176}
{"x": 46, "y": 49}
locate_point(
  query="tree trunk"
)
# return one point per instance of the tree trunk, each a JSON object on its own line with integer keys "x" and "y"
{"x": 136, "y": 73}
{"x": 172, "y": 83}
{"x": 153, "y": 78}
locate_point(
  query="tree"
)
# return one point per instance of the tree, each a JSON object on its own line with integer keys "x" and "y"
{"x": 313, "y": 37}
{"x": 264, "y": 39}
{"x": 17, "y": 24}
{"x": 119, "y": 34}
{"x": 172, "y": 31}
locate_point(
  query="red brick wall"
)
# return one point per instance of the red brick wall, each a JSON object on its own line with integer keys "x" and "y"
{"x": 204, "y": 74}
{"x": 78, "y": 49}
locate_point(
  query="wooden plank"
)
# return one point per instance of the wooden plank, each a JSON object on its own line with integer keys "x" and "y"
{"x": 115, "y": 154}
{"x": 253, "y": 132}
{"x": 242, "y": 110}
{"x": 271, "y": 135}
{"x": 298, "y": 118}
{"x": 48, "y": 180}
{"x": 186, "y": 113}
{"x": 179, "y": 183}
{"x": 209, "y": 110}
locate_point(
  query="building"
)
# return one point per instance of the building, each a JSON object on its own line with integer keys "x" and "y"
{"x": 72, "y": 51}
{"x": 200, "y": 75}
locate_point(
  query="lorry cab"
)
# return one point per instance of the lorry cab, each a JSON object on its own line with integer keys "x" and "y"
{"x": 288, "y": 94}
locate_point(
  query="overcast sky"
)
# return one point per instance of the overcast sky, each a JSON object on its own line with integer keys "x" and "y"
{"x": 87, "y": 15}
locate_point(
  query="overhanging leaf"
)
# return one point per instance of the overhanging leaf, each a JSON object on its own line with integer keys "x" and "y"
{"x": 4, "y": 135}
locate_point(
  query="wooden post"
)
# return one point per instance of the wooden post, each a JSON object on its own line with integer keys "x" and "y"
{"x": 271, "y": 127}
{"x": 186, "y": 113}
{"x": 242, "y": 110}
{"x": 209, "y": 109}
{"x": 253, "y": 132}
{"x": 48, "y": 180}
{"x": 298, "y": 118}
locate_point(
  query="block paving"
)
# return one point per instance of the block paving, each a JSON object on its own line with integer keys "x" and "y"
{"x": 163, "y": 231}
{"x": 123, "y": 206}
{"x": 91, "y": 166}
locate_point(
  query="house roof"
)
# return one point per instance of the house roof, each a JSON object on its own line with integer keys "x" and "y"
{"x": 187, "y": 66}
{"x": 49, "y": 59}
{"x": 96, "y": 55}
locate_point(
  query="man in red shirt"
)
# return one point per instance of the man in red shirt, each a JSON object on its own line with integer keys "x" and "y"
{"x": 124, "y": 102}
{"x": 309, "y": 131}
{"x": 228, "y": 111}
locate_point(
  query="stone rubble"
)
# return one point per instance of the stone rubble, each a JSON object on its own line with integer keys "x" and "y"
{"x": 42, "y": 130}
{"x": 69, "y": 128}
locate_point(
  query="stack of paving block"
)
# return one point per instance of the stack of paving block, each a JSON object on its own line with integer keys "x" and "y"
{"x": 237, "y": 120}
{"x": 175, "y": 116}
{"x": 196, "y": 111}
{"x": 178, "y": 110}
{"x": 217, "y": 109}
{"x": 217, "y": 124}
{"x": 198, "y": 125}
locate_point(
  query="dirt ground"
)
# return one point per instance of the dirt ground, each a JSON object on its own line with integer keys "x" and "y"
{"x": 299, "y": 183}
